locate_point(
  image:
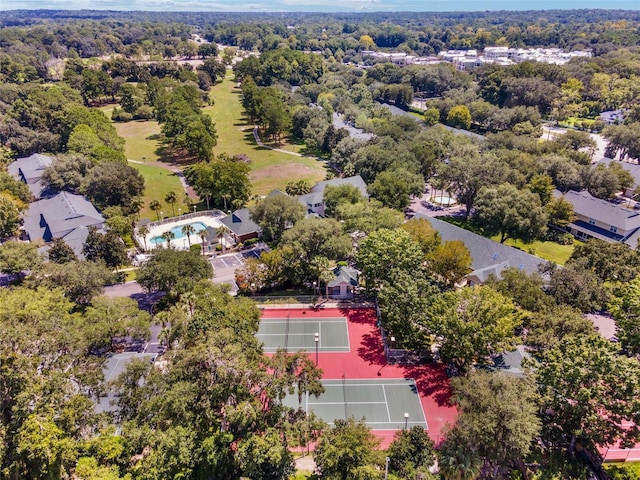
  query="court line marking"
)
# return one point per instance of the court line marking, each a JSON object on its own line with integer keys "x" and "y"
{"x": 304, "y": 320}
{"x": 386, "y": 403}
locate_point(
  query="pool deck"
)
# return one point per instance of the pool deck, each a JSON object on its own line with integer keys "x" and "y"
{"x": 156, "y": 229}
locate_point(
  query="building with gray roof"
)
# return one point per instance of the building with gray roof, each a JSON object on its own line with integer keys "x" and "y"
{"x": 29, "y": 170}
{"x": 66, "y": 216}
{"x": 344, "y": 284}
{"x": 241, "y": 225}
{"x": 314, "y": 200}
{"x": 487, "y": 256}
{"x": 597, "y": 218}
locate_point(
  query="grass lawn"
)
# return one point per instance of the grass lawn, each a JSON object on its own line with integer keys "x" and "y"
{"x": 143, "y": 140}
{"x": 269, "y": 169}
{"x": 551, "y": 251}
{"x": 158, "y": 182}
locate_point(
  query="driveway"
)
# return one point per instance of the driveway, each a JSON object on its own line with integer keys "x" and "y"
{"x": 225, "y": 266}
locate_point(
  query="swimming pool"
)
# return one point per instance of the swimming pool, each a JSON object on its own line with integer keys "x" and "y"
{"x": 177, "y": 233}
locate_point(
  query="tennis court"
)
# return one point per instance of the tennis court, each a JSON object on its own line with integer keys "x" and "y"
{"x": 383, "y": 403}
{"x": 300, "y": 334}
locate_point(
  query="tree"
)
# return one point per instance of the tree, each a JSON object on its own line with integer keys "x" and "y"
{"x": 560, "y": 212}
{"x": 459, "y": 117}
{"x": 114, "y": 184}
{"x": 155, "y": 205}
{"x": 106, "y": 247}
{"x": 549, "y": 327}
{"x": 526, "y": 289}
{"x": 346, "y": 451}
{"x": 221, "y": 180}
{"x": 276, "y": 213}
{"x": 394, "y": 187}
{"x": 625, "y": 308}
{"x": 173, "y": 271}
{"x": 171, "y": 198}
{"x": 411, "y": 452}
{"x": 450, "y": 262}
{"x": 609, "y": 261}
{"x": 422, "y": 232}
{"x": 498, "y": 421}
{"x": 265, "y": 457}
{"x": 576, "y": 286}
{"x": 60, "y": 252}
{"x": 188, "y": 230}
{"x": 81, "y": 281}
{"x": 431, "y": 116}
{"x": 168, "y": 236}
{"x": 17, "y": 257}
{"x": 511, "y": 213}
{"x": 384, "y": 251}
{"x": 467, "y": 172}
{"x": 112, "y": 317}
{"x": 10, "y": 209}
{"x": 473, "y": 324}
{"x": 318, "y": 237}
{"x": 590, "y": 394}
{"x": 203, "y": 238}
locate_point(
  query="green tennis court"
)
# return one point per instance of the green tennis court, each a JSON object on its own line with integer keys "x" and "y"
{"x": 300, "y": 334}
{"x": 383, "y": 403}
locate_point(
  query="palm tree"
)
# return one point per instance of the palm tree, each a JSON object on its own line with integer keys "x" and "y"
{"x": 143, "y": 231}
{"x": 168, "y": 236}
{"x": 188, "y": 230}
{"x": 220, "y": 232}
{"x": 203, "y": 236}
{"x": 171, "y": 198}
{"x": 155, "y": 205}
{"x": 225, "y": 197}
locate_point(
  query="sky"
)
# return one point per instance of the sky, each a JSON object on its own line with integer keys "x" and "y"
{"x": 315, "y": 5}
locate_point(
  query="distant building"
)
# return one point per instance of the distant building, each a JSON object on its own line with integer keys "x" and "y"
{"x": 632, "y": 168}
{"x": 612, "y": 117}
{"x": 66, "y": 216}
{"x": 29, "y": 170}
{"x": 597, "y": 218}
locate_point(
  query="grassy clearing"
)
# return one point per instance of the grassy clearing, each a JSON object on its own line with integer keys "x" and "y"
{"x": 269, "y": 169}
{"x": 143, "y": 140}
{"x": 158, "y": 182}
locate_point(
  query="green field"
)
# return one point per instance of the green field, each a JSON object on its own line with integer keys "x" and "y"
{"x": 143, "y": 140}
{"x": 158, "y": 182}
{"x": 269, "y": 169}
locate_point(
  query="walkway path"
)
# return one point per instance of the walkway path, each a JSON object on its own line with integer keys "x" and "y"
{"x": 256, "y": 137}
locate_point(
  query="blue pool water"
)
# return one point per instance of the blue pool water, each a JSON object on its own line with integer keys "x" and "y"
{"x": 177, "y": 232}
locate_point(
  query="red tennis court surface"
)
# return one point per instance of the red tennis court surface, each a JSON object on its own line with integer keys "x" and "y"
{"x": 366, "y": 360}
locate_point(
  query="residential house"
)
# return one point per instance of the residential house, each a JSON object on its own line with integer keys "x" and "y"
{"x": 29, "y": 170}
{"x": 241, "y": 225}
{"x": 344, "y": 284}
{"x": 487, "y": 256}
{"x": 66, "y": 216}
{"x": 597, "y": 218}
{"x": 314, "y": 200}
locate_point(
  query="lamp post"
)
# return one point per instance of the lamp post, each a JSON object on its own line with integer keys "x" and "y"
{"x": 161, "y": 215}
{"x": 194, "y": 208}
{"x": 314, "y": 288}
{"x": 179, "y": 212}
{"x": 253, "y": 289}
{"x": 393, "y": 341}
{"x": 317, "y": 340}
{"x": 386, "y": 467}
{"x": 406, "y": 420}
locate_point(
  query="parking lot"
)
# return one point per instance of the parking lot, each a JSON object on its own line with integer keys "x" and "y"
{"x": 224, "y": 266}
